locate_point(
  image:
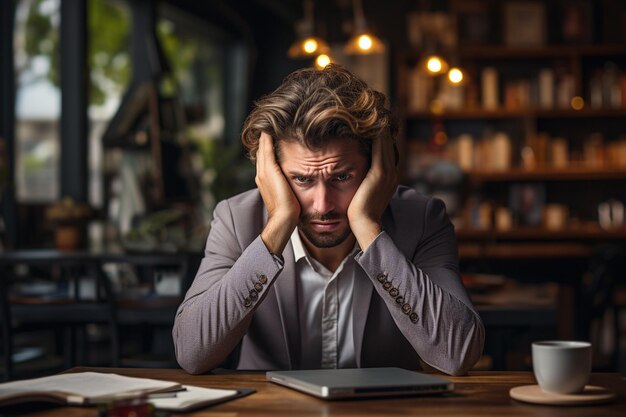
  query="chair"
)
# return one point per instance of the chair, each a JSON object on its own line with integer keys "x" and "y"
{"x": 136, "y": 330}
{"x": 145, "y": 320}
{"x": 56, "y": 322}
{"x": 6, "y": 336}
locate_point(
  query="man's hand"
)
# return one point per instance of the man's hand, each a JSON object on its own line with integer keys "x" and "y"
{"x": 282, "y": 205}
{"x": 374, "y": 193}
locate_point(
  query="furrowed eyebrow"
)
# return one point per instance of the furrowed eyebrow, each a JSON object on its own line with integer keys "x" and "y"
{"x": 335, "y": 171}
{"x": 342, "y": 170}
{"x": 298, "y": 174}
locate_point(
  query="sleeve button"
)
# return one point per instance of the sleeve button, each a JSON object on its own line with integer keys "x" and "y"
{"x": 400, "y": 299}
{"x": 258, "y": 287}
{"x": 247, "y": 302}
{"x": 413, "y": 317}
{"x": 263, "y": 279}
{"x": 394, "y": 292}
{"x": 387, "y": 285}
{"x": 381, "y": 277}
{"x": 406, "y": 308}
{"x": 254, "y": 295}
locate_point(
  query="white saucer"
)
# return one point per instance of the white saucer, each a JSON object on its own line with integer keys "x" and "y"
{"x": 534, "y": 394}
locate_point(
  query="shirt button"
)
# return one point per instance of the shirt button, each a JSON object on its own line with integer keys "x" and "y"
{"x": 406, "y": 308}
{"x": 400, "y": 299}
{"x": 258, "y": 287}
{"x": 381, "y": 277}
{"x": 387, "y": 285}
{"x": 394, "y": 292}
{"x": 254, "y": 295}
{"x": 263, "y": 279}
{"x": 247, "y": 302}
{"x": 413, "y": 317}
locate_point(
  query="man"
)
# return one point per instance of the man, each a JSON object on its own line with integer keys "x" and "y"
{"x": 327, "y": 264}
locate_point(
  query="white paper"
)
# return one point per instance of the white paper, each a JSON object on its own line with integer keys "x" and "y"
{"x": 190, "y": 397}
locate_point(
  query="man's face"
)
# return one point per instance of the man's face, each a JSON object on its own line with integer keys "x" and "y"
{"x": 324, "y": 182}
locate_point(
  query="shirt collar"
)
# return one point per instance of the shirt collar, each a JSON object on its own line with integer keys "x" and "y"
{"x": 298, "y": 248}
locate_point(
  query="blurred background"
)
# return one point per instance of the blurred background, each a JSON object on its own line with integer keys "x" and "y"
{"x": 119, "y": 132}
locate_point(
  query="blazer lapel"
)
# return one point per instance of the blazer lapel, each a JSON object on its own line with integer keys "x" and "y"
{"x": 361, "y": 298}
{"x": 287, "y": 298}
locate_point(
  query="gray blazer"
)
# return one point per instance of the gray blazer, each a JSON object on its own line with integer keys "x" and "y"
{"x": 243, "y": 301}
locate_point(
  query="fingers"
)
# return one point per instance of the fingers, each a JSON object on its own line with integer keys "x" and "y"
{"x": 265, "y": 144}
{"x": 265, "y": 154}
{"x": 282, "y": 205}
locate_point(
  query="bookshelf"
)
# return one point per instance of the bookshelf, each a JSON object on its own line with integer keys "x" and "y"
{"x": 538, "y": 134}
{"x": 554, "y": 122}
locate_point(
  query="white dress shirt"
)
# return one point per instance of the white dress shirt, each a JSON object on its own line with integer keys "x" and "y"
{"x": 325, "y": 315}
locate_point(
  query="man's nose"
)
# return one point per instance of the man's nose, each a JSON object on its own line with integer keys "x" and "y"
{"x": 323, "y": 199}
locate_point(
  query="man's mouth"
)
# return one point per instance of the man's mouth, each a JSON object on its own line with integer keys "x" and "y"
{"x": 326, "y": 226}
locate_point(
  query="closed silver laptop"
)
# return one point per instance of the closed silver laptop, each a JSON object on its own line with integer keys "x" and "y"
{"x": 363, "y": 382}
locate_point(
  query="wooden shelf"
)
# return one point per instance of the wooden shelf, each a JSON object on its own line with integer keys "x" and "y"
{"x": 549, "y": 174}
{"x": 553, "y": 251}
{"x": 548, "y": 52}
{"x": 533, "y": 243}
{"x": 480, "y": 113}
{"x": 590, "y": 232}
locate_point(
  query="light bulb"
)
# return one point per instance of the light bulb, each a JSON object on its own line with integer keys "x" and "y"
{"x": 434, "y": 64}
{"x": 455, "y": 75}
{"x": 322, "y": 60}
{"x": 310, "y": 46}
{"x": 365, "y": 42}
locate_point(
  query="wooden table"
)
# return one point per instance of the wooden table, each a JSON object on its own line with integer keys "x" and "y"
{"x": 480, "y": 394}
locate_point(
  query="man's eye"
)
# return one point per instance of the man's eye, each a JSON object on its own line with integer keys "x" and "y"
{"x": 300, "y": 179}
{"x": 342, "y": 177}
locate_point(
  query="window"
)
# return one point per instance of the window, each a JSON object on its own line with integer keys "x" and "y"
{"x": 210, "y": 86}
{"x": 110, "y": 72}
{"x": 38, "y": 100}
{"x": 197, "y": 61}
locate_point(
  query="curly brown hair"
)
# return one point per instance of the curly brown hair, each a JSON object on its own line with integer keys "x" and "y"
{"x": 314, "y": 106}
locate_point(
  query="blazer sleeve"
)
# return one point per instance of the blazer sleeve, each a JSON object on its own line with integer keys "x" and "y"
{"x": 425, "y": 295}
{"x": 218, "y": 307}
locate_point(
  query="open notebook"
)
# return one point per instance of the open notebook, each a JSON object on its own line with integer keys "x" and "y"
{"x": 87, "y": 388}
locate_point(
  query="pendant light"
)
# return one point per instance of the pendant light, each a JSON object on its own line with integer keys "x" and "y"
{"x": 363, "y": 42}
{"x": 307, "y": 45}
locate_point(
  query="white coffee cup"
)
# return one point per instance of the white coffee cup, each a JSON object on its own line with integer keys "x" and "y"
{"x": 562, "y": 367}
